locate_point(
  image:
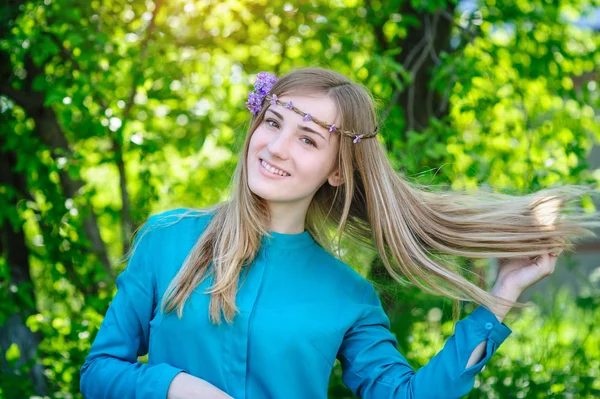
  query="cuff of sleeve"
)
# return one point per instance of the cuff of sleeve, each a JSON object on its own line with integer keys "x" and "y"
{"x": 496, "y": 331}
{"x": 490, "y": 349}
{"x": 163, "y": 375}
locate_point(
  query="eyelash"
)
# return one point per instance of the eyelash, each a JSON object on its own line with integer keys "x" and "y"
{"x": 273, "y": 120}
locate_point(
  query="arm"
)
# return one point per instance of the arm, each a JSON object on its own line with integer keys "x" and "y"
{"x": 514, "y": 276}
{"x": 111, "y": 369}
{"x": 373, "y": 367}
{"x": 500, "y": 313}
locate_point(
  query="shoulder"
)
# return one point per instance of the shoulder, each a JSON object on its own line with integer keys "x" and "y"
{"x": 351, "y": 295}
{"x": 171, "y": 228}
{"x": 167, "y": 237}
{"x": 175, "y": 215}
{"x": 179, "y": 220}
{"x": 350, "y": 283}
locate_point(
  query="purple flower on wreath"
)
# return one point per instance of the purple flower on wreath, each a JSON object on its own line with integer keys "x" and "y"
{"x": 357, "y": 139}
{"x": 307, "y": 117}
{"x": 332, "y": 128}
{"x": 254, "y": 103}
{"x": 274, "y": 100}
{"x": 289, "y": 105}
{"x": 264, "y": 82}
{"x": 263, "y": 85}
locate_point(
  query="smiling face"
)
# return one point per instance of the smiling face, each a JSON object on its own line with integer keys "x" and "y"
{"x": 289, "y": 159}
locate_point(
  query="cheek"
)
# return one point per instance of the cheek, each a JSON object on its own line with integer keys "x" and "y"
{"x": 328, "y": 165}
{"x": 258, "y": 139}
{"x": 314, "y": 167}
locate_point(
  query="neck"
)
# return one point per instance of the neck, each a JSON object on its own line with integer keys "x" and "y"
{"x": 287, "y": 218}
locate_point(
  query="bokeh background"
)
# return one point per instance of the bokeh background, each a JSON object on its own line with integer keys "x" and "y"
{"x": 114, "y": 110}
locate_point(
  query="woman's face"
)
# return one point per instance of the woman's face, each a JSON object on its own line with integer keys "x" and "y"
{"x": 304, "y": 153}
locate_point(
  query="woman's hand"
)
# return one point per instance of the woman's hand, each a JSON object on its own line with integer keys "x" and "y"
{"x": 186, "y": 386}
{"x": 517, "y": 274}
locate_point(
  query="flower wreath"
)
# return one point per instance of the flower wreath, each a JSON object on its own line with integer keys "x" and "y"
{"x": 262, "y": 90}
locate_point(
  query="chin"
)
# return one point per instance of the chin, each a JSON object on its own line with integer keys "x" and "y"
{"x": 262, "y": 192}
{"x": 265, "y": 194}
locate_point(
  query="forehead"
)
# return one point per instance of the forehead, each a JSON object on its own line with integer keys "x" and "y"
{"x": 318, "y": 105}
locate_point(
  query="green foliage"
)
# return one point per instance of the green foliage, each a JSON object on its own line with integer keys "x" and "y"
{"x": 161, "y": 87}
{"x": 554, "y": 355}
{"x": 548, "y": 355}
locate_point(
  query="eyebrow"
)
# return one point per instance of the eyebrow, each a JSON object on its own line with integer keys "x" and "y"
{"x": 305, "y": 128}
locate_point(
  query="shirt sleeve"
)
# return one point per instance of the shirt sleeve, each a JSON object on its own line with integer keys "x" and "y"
{"x": 111, "y": 369}
{"x": 372, "y": 367}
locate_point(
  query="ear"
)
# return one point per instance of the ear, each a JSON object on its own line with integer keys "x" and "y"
{"x": 335, "y": 178}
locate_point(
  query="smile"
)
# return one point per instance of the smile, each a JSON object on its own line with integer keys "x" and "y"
{"x": 272, "y": 170}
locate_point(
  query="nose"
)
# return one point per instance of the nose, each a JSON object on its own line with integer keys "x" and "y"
{"x": 279, "y": 144}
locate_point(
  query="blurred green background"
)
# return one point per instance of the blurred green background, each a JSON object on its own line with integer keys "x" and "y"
{"x": 113, "y": 110}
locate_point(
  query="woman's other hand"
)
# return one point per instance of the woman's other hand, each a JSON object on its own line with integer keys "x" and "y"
{"x": 517, "y": 274}
{"x": 186, "y": 386}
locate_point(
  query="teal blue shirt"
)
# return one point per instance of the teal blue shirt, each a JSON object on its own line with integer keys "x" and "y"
{"x": 300, "y": 309}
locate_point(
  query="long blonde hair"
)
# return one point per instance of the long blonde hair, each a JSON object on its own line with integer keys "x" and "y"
{"x": 406, "y": 223}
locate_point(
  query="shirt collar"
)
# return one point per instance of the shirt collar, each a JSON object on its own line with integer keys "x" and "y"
{"x": 287, "y": 241}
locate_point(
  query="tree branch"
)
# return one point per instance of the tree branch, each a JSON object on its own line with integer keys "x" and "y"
{"x": 377, "y": 27}
{"x": 126, "y": 219}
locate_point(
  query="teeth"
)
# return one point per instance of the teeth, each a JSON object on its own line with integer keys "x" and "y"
{"x": 272, "y": 169}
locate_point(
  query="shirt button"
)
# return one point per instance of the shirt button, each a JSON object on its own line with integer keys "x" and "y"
{"x": 488, "y": 326}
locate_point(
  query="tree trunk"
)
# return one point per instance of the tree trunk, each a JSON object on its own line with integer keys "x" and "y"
{"x": 13, "y": 248}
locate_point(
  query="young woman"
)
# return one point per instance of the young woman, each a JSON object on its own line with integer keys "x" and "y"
{"x": 311, "y": 171}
